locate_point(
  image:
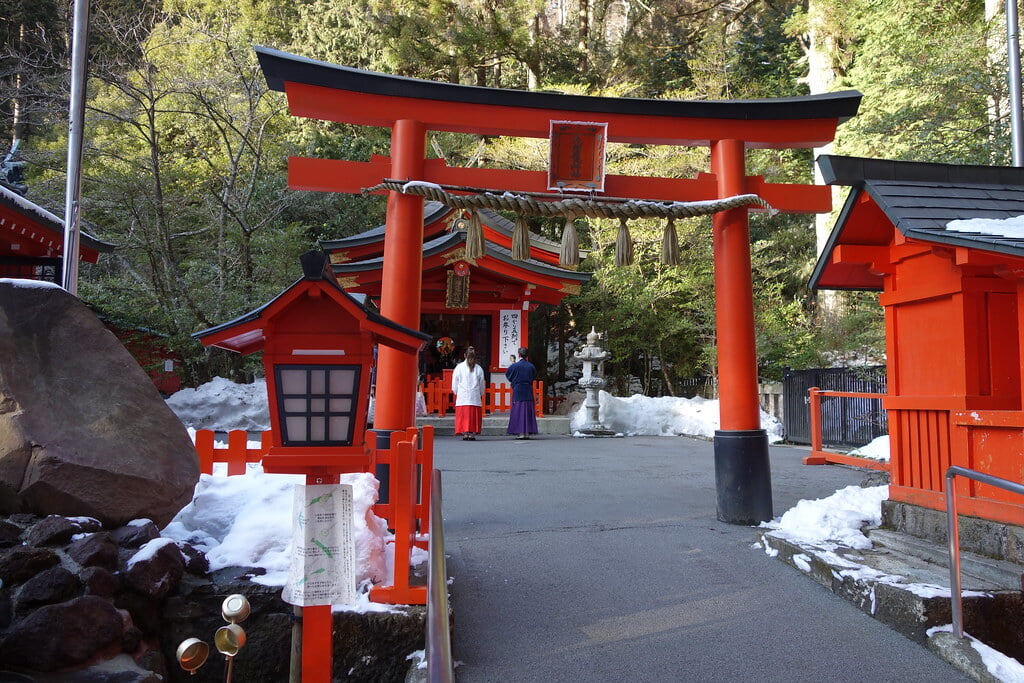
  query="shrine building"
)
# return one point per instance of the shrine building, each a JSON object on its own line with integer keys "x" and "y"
{"x": 32, "y": 240}
{"x": 480, "y": 302}
{"x": 941, "y": 244}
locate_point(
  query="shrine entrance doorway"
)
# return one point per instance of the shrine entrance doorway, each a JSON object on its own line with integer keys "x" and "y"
{"x": 453, "y": 335}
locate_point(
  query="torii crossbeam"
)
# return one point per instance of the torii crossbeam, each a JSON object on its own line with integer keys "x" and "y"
{"x": 411, "y": 107}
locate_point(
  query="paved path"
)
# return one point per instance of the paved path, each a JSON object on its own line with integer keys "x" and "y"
{"x": 601, "y": 560}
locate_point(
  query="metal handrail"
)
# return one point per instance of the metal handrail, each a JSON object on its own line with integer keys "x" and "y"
{"x": 954, "y": 533}
{"x": 439, "y": 645}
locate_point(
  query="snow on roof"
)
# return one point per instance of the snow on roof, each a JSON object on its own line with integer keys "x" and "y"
{"x": 1000, "y": 227}
{"x": 29, "y": 207}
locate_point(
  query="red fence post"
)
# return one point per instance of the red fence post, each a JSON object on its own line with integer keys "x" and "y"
{"x": 818, "y": 455}
{"x": 425, "y": 464}
{"x": 204, "y": 447}
{"x": 403, "y": 507}
{"x": 238, "y": 440}
{"x": 814, "y": 407}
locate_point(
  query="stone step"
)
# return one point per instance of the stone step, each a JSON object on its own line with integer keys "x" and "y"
{"x": 903, "y": 583}
{"x": 496, "y": 425}
{"x": 976, "y": 571}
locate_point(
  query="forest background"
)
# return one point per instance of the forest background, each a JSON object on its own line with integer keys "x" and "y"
{"x": 186, "y": 150}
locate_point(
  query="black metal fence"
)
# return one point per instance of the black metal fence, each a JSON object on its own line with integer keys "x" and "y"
{"x": 845, "y": 421}
{"x": 703, "y": 386}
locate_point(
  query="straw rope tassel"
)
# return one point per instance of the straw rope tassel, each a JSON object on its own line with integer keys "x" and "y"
{"x": 623, "y": 245}
{"x": 521, "y": 239}
{"x": 474, "y": 237}
{"x": 570, "y": 252}
{"x": 670, "y": 244}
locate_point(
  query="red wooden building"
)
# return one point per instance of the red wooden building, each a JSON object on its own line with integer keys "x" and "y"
{"x": 149, "y": 348}
{"x": 481, "y": 302}
{"x": 952, "y": 294}
{"x": 32, "y": 240}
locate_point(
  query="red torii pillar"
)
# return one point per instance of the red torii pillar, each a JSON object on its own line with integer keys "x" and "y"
{"x": 402, "y": 279}
{"x": 742, "y": 470}
{"x": 411, "y": 107}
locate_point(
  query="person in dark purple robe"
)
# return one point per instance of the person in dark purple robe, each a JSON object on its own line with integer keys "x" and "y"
{"x": 523, "y": 420}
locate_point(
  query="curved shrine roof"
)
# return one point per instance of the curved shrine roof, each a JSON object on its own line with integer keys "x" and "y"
{"x": 436, "y": 219}
{"x": 245, "y": 334}
{"x": 449, "y": 241}
{"x": 38, "y": 232}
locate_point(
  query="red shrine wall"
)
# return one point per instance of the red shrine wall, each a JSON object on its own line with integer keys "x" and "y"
{"x": 954, "y": 379}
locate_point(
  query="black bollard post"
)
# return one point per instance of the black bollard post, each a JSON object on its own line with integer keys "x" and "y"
{"x": 743, "y": 477}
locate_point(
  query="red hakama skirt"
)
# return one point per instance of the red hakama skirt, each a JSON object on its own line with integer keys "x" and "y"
{"x": 468, "y": 419}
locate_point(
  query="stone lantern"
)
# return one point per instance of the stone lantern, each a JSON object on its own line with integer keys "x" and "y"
{"x": 593, "y": 356}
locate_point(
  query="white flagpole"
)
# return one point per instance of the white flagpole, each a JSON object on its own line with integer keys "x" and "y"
{"x": 76, "y": 116}
{"x": 1013, "y": 53}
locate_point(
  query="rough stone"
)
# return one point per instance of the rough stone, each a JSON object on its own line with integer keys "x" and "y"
{"x": 196, "y": 562}
{"x": 131, "y": 639}
{"x": 158, "y": 572}
{"x": 194, "y": 611}
{"x": 376, "y": 646}
{"x": 52, "y": 530}
{"x": 63, "y": 635}
{"x": 83, "y": 432}
{"x": 54, "y": 585}
{"x": 145, "y": 612}
{"x": 10, "y": 534}
{"x": 135, "y": 535}
{"x": 24, "y": 518}
{"x": 6, "y": 609}
{"x": 95, "y": 550}
{"x": 119, "y": 669}
{"x": 99, "y": 581}
{"x": 23, "y": 562}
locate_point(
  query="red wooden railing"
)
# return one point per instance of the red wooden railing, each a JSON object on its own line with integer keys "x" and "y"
{"x": 819, "y": 456}
{"x": 236, "y": 454}
{"x": 437, "y": 394}
{"x": 410, "y": 457}
{"x": 930, "y": 434}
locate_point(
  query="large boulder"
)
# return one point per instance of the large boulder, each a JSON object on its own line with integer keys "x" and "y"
{"x": 83, "y": 430}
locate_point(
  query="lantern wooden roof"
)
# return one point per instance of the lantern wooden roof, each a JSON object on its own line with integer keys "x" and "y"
{"x": 912, "y": 202}
{"x": 27, "y": 230}
{"x": 247, "y": 333}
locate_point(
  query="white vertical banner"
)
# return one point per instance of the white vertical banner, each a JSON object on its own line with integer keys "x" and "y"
{"x": 508, "y": 336}
{"x": 323, "y": 568}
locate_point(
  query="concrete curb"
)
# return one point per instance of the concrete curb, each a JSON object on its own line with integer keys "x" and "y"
{"x": 883, "y": 598}
{"x": 959, "y": 653}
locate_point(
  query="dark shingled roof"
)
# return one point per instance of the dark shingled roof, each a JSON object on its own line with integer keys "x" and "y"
{"x": 448, "y": 240}
{"x": 280, "y": 67}
{"x": 432, "y": 211}
{"x": 314, "y": 267}
{"x": 922, "y": 198}
{"x": 33, "y": 212}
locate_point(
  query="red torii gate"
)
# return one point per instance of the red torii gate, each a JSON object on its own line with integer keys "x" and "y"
{"x": 411, "y": 107}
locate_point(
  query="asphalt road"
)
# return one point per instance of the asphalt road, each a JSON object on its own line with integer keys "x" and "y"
{"x": 602, "y": 560}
